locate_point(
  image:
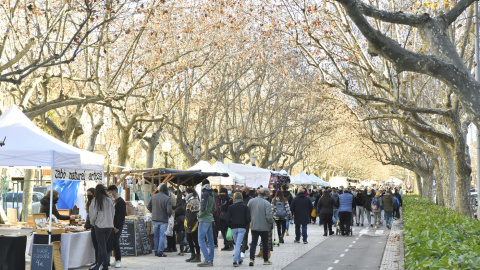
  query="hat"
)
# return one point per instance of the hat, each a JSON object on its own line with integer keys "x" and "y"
{"x": 378, "y": 193}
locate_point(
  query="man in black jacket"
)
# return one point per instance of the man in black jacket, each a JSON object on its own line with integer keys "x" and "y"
{"x": 246, "y": 199}
{"x": 118, "y": 221}
{"x": 301, "y": 208}
{"x": 224, "y": 203}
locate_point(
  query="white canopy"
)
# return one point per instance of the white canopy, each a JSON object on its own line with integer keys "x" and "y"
{"x": 26, "y": 145}
{"x": 301, "y": 179}
{"x": 254, "y": 176}
{"x": 233, "y": 177}
{"x": 204, "y": 166}
{"x": 317, "y": 181}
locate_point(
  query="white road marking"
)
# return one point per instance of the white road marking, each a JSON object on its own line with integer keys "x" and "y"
{"x": 350, "y": 246}
{"x": 364, "y": 231}
{"x": 346, "y": 250}
{"x": 336, "y": 261}
{"x": 341, "y": 255}
{"x": 354, "y": 242}
{"x": 356, "y": 238}
{"x": 330, "y": 268}
{"x": 379, "y": 232}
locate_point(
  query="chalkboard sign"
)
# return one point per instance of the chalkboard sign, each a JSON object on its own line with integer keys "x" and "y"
{"x": 147, "y": 249}
{"x": 42, "y": 257}
{"x": 138, "y": 241}
{"x": 127, "y": 239}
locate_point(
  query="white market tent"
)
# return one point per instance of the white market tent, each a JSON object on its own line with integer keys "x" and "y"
{"x": 301, "y": 179}
{"x": 318, "y": 181}
{"x": 233, "y": 177}
{"x": 394, "y": 181}
{"x": 27, "y": 146}
{"x": 254, "y": 176}
{"x": 204, "y": 166}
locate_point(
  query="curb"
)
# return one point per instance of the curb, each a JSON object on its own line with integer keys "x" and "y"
{"x": 393, "y": 257}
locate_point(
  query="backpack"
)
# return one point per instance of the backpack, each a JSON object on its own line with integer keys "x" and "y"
{"x": 376, "y": 203}
{"x": 397, "y": 203}
{"x": 281, "y": 210}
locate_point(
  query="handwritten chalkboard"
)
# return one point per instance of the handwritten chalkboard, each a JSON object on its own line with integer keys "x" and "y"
{"x": 138, "y": 241}
{"x": 127, "y": 239}
{"x": 42, "y": 257}
{"x": 147, "y": 249}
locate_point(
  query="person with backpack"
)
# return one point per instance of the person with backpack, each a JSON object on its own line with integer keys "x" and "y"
{"x": 377, "y": 208}
{"x": 367, "y": 205}
{"x": 191, "y": 224}
{"x": 281, "y": 212}
{"x": 224, "y": 203}
{"x": 325, "y": 209}
{"x": 388, "y": 202}
{"x": 359, "y": 202}
{"x": 238, "y": 218}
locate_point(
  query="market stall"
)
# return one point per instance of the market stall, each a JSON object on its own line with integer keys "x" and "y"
{"x": 233, "y": 177}
{"x": 317, "y": 181}
{"x": 254, "y": 176}
{"x": 302, "y": 179}
{"x": 27, "y": 146}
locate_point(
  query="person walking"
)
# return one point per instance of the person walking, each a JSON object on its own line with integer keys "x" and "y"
{"x": 345, "y": 207}
{"x": 400, "y": 202}
{"x": 118, "y": 221}
{"x": 88, "y": 226}
{"x": 246, "y": 198}
{"x": 160, "y": 205}
{"x": 261, "y": 223}
{"x": 388, "y": 202}
{"x": 335, "y": 208}
{"x": 224, "y": 204}
{"x": 238, "y": 217}
{"x": 325, "y": 209}
{"x": 288, "y": 195}
{"x": 359, "y": 202}
{"x": 281, "y": 213}
{"x": 301, "y": 208}
{"x": 205, "y": 224}
{"x": 377, "y": 208}
{"x": 367, "y": 206}
{"x": 191, "y": 224}
{"x": 101, "y": 213}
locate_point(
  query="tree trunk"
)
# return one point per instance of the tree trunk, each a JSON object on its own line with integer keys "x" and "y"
{"x": 27, "y": 194}
{"x": 428, "y": 186}
{"x": 439, "y": 176}
{"x": 123, "y": 150}
{"x": 417, "y": 185}
{"x": 448, "y": 180}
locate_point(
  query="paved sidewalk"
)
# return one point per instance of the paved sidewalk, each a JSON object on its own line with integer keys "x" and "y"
{"x": 281, "y": 256}
{"x": 393, "y": 256}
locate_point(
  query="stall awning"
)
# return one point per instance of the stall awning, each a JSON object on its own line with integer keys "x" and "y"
{"x": 179, "y": 177}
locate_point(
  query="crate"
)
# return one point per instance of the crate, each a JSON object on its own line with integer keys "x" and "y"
{"x": 44, "y": 231}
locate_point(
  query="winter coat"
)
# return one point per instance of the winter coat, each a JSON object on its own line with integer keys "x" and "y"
{"x": 346, "y": 202}
{"x": 238, "y": 215}
{"x": 102, "y": 218}
{"x": 288, "y": 212}
{"x": 388, "y": 202}
{"x": 399, "y": 197}
{"x": 379, "y": 209}
{"x": 325, "y": 205}
{"x": 120, "y": 213}
{"x": 335, "y": 198}
{"x": 301, "y": 209}
{"x": 224, "y": 203}
{"x": 160, "y": 205}
{"x": 192, "y": 208}
{"x": 261, "y": 214}
{"x": 207, "y": 206}
{"x": 367, "y": 203}
{"x": 359, "y": 199}
{"x": 45, "y": 208}
{"x": 179, "y": 219}
{"x": 288, "y": 196}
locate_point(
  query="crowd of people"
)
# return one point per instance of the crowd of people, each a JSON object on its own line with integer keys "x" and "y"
{"x": 198, "y": 220}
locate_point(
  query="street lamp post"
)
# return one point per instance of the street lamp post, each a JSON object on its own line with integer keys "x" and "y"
{"x": 166, "y": 147}
{"x": 254, "y": 158}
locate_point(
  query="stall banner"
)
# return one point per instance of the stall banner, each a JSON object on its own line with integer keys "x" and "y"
{"x": 77, "y": 175}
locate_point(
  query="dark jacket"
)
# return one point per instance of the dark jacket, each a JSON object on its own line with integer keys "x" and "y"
{"x": 45, "y": 208}
{"x": 120, "y": 213}
{"x": 224, "y": 204}
{"x": 246, "y": 197}
{"x": 335, "y": 198}
{"x": 399, "y": 197}
{"x": 359, "y": 199}
{"x": 179, "y": 219}
{"x": 301, "y": 209}
{"x": 288, "y": 196}
{"x": 325, "y": 205}
{"x": 388, "y": 202}
{"x": 238, "y": 215}
{"x": 367, "y": 202}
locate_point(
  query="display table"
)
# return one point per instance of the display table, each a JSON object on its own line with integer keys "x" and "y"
{"x": 12, "y": 252}
{"x": 76, "y": 249}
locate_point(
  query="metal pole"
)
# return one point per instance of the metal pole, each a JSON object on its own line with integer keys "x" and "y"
{"x": 166, "y": 159}
{"x": 477, "y": 77}
{"x": 51, "y": 203}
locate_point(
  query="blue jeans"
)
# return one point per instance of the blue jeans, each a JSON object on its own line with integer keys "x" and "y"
{"x": 288, "y": 223}
{"x": 388, "y": 217}
{"x": 159, "y": 229}
{"x": 335, "y": 215}
{"x": 238, "y": 234}
{"x": 297, "y": 232}
{"x": 206, "y": 229}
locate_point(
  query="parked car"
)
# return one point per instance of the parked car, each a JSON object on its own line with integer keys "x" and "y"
{"x": 41, "y": 189}
{"x": 14, "y": 200}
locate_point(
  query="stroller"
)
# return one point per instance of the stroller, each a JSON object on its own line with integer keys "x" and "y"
{"x": 337, "y": 227}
